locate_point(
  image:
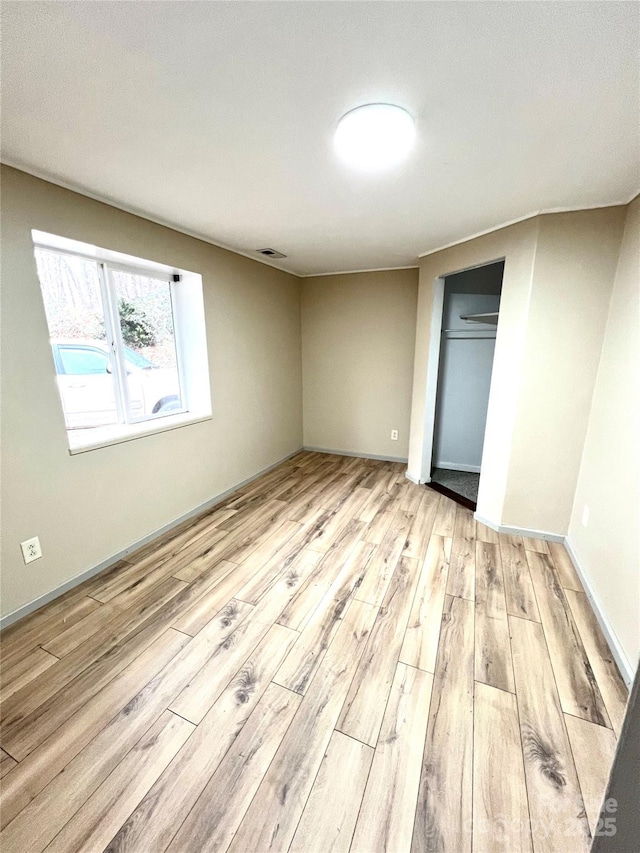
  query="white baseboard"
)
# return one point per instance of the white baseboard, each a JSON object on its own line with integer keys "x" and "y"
{"x": 10, "y": 618}
{"x": 454, "y": 466}
{"x": 416, "y": 480}
{"x": 355, "y": 453}
{"x": 529, "y": 532}
{"x": 624, "y": 665}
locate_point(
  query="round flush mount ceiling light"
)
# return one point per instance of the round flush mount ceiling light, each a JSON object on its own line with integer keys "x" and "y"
{"x": 375, "y": 136}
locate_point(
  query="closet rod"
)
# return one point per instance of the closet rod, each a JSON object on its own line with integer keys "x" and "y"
{"x": 473, "y": 338}
{"x": 465, "y": 331}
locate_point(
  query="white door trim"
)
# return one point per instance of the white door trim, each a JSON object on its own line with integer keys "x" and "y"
{"x": 433, "y": 364}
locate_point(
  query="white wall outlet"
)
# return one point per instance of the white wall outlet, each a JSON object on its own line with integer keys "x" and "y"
{"x": 585, "y": 515}
{"x": 394, "y": 435}
{"x": 31, "y": 550}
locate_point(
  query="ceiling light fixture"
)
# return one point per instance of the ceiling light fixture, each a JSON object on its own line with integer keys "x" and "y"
{"x": 374, "y": 136}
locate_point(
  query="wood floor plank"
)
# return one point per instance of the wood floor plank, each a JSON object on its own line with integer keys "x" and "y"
{"x": 213, "y": 517}
{"x": 538, "y": 546}
{"x": 113, "y": 801}
{"x": 518, "y": 587}
{"x": 302, "y": 483}
{"x": 348, "y": 510}
{"x": 486, "y": 534}
{"x": 212, "y": 822}
{"x": 26, "y": 732}
{"x": 363, "y": 710}
{"x": 420, "y": 531}
{"x": 304, "y": 659}
{"x": 193, "y": 619}
{"x": 462, "y": 564}
{"x": 379, "y": 498}
{"x": 6, "y": 763}
{"x": 261, "y": 581}
{"x": 255, "y": 501}
{"x": 383, "y": 563}
{"x": 39, "y": 799}
{"x": 207, "y": 562}
{"x": 273, "y": 815}
{"x": 410, "y": 496}
{"x": 204, "y": 688}
{"x": 445, "y": 519}
{"x": 389, "y": 805}
{"x": 420, "y": 644}
{"x": 256, "y": 549}
{"x": 556, "y": 807}
{"x": 25, "y": 670}
{"x": 257, "y": 493}
{"x": 44, "y": 764}
{"x": 444, "y": 807}
{"x": 175, "y": 553}
{"x": 321, "y": 499}
{"x": 492, "y": 649}
{"x": 330, "y": 815}
{"x": 21, "y": 638}
{"x": 158, "y": 817}
{"x": 313, "y": 485}
{"x": 564, "y": 567}
{"x": 140, "y": 586}
{"x": 500, "y": 807}
{"x": 308, "y": 596}
{"x": 219, "y": 515}
{"x": 267, "y": 552}
{"x": 593, "y": 748}
{"x": 244, "y": 538}
{"x": 77, "y": 633}
{"x": 577, "y": 685}
{"x": 295, "y": 561}
{"x": 329, "y": 500}
{"x": 612, "y": 687}
{"x": 105, "y": 646}
{"x": 377, "y": 529}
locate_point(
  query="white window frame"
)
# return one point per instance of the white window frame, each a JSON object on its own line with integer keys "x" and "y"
{"x": 194, "y": 392}
{"x": 116, "y": 343}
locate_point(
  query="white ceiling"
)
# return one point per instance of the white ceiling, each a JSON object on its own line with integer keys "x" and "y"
{"x": 218, "y": 117}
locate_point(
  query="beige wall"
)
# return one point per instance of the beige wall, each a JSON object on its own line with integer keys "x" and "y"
{"x": 558, "y": 276}
{"x": 87, "y": 507}
{"x": 608, "y": 548}
{"x": 517, "y": 245}
{"x": 358, "y": 338}
{"x": 573, "y": 274}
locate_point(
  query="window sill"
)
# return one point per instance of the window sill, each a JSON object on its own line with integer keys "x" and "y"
{"x": 106, "y": 436}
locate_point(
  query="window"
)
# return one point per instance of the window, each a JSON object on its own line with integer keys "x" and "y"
{"x": 127, "y": 339}
{"x": 82, "y": 361}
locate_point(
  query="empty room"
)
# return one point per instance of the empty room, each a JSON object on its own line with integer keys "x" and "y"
{"x": 320, "y": 372}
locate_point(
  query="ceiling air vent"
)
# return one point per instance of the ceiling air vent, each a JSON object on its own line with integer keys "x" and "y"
{"x": 270, "y": 253}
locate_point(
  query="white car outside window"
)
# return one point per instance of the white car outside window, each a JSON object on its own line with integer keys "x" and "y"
{"x": 86, "y": 386}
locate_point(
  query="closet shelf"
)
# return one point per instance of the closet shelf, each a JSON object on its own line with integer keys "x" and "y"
{"x": 491, "y": 317}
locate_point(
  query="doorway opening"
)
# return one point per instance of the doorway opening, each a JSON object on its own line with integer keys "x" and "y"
{"x": 470, "y": 313}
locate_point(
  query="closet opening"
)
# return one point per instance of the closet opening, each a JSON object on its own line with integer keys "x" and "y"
{"x": 470, "y": 313}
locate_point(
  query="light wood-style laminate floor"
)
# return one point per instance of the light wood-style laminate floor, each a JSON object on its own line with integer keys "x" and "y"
{"x": 332, "y": 659}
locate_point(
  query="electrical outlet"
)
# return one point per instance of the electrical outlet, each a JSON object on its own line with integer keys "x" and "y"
{"x": 31, "y": 550}
{"x": 394, "y": 435}
{"x": 585, "y": 515}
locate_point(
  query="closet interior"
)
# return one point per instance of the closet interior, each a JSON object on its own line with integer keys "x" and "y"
{"x": 467, "y": 342}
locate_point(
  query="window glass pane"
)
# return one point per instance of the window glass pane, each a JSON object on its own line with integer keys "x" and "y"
{"x": 75, "y": 314}
{"x": 146, "y": 324}
{"x": 82, "y": 361}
